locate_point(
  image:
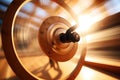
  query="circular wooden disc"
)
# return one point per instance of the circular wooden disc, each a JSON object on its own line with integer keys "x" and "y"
{"x": 49, "y": 39}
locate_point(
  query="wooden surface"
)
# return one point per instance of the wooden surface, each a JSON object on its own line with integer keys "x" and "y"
{"x": 85, "y": 74}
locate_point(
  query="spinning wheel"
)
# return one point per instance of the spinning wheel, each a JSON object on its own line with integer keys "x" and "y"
{"x": 43, "y": 40}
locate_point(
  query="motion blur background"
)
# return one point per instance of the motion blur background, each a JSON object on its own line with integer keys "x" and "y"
{"x": 99, "y": 21}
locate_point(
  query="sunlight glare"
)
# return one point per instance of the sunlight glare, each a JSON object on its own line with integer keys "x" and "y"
{"x": 85, "y": 22}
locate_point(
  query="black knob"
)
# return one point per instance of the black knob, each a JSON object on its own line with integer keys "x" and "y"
{"x": 69, "y": 36}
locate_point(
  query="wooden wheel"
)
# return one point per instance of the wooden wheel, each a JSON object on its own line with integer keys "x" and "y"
{"x": 44, "y": 40}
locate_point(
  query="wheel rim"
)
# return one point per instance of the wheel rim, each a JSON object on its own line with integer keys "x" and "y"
{"x": 9, "y": 46}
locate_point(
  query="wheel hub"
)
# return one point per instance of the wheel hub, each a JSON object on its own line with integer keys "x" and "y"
{"x": 49, "y": 39}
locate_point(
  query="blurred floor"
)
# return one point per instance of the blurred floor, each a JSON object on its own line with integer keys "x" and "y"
{"x": 85, "y": 74}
